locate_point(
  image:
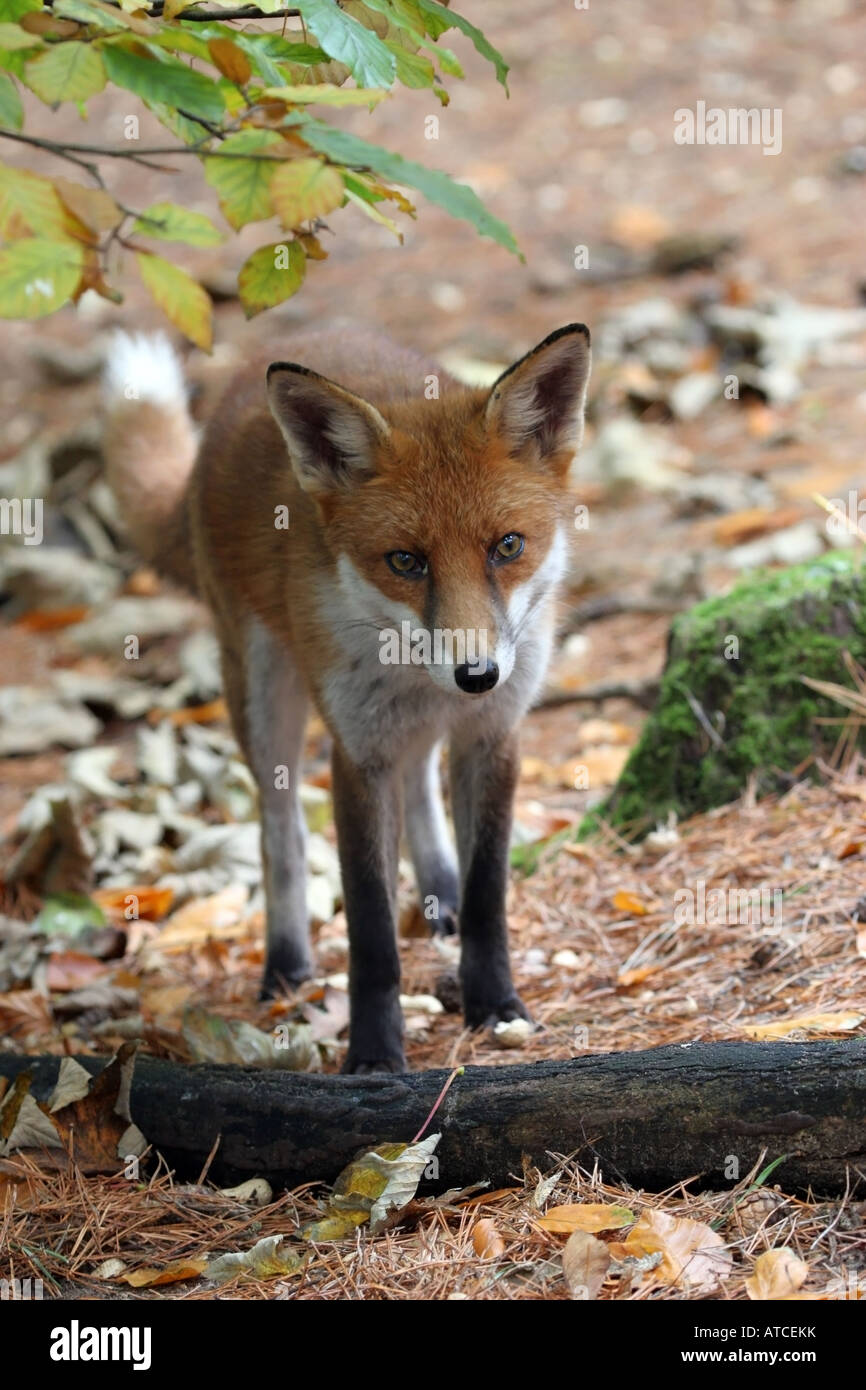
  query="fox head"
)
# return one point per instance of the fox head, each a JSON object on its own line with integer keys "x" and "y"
{"x": 446, "y": 517}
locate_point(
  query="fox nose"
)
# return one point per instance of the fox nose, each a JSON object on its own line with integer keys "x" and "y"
{"x": 475, "y": 681}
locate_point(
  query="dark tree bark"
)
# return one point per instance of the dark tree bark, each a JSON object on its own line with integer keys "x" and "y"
{"x": 652, "y": 1118}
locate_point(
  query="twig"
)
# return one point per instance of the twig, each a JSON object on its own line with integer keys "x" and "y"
{"x": 643, "y": 692}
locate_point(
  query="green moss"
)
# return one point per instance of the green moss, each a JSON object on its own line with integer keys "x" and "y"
{"x": 741, "y": 658}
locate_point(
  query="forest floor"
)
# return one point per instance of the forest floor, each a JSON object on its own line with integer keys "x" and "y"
{"x": 131, "y": 783}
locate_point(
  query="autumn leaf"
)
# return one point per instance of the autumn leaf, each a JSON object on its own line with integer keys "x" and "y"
{"x": 586, "y": 1216}
{"x": 272, "y": 274}
{"x": 486, "y": 1240}
{"x": 181, "y": 298}
{"x": 693, "y": 1255}
{"x": 629, "y": 902}
{"x": 842, "y": 1022}
{"x": 232, "y": 62}
{"x": 777, "y": 1274}
{"x": 373, "y": 1189}
{"x": 585, "y": 1262}
{"x": 305, "y": 189}
{"x": 174, "y": 1273}
{"x": 269, "y": 1258}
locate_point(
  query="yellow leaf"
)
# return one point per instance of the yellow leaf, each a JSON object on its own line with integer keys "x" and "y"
{"x": 692, "y": 1254}
{"x": 182, "y": 299}
{"x": 777, "y": 1274}
{"x": 270, "y": 275}
{"x": 304, "y": 189}
{"x": 586, "y": 1216}
{"x": 842, "y": 1022}
{"x": 28, "y": 204}
{"x": 174, "y": 1273}
{"x": 374, "y": 1188}
{"x": 268, "y": 1259}
{"x": 630, "y": 903}
{"x": 585, "y": 1262}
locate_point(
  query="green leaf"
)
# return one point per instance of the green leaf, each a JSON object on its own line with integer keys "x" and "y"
{"x": 12, "y": 36}
{"x": 14, "y": 9}
{"x": 86, "y": 13}
{"x": 164, "y": 79}
{"x": 243, "y": 185}
{"x": 303, "y": 189}
{"x": 190, "y": 132}
{"x": 272, "y": 274}
{"x": 67, "y": 914}
{"x": 182, "y": 299}
{"x": 267, "y": 50}
{"x": 13, "y": 62}
{"x": 28, "y": 204}
{"x": 37, "y": 276}
{"x": 183, "y": 41}
{"x": 67, "y": 72}
{"x": 170, "y": 222}
{"x": 413, "y": 69}
{"x": 324, "y": 93}
{"x": 11, "y": 111}
{"x": 343, "y": 38}
{"x": 439, "y": 19}
{"x": 456, "y": 198}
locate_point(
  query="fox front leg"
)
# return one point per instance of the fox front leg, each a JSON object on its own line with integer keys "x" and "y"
{"x": 367, "y": 814}
{"x": 483, "y": 779}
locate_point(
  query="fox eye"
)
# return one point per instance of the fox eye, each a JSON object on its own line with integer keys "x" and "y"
{"x": 407, "y": 565}
{"x": 508, "y": 548}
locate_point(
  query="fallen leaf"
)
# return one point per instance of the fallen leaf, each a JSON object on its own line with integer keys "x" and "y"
{"x": 373, "y": 1189}
{"x": 267, "y": 1259}
{"x": 173, "y": 1273}
{"x": 777, "y": 1274}
{"x": 631, "y": 903}
{"x": 214, "y": 711}
{"x": 68, "y": 970}
{"x": 85, "y": 1118}
{"x": 692, "y": 1254}
{"x": 212, "y": 1038}
{"x": 486, "y": 1240}
{"x": 255, "y": 1192}
{"x": 627, "y": 979}
{"x": 138, "y": 900}
{"x": 585, "y": 1262}
{"x": 602, "y": 765}
{"x": 842, "y": 1022}
{"x": 586, "y": 1216}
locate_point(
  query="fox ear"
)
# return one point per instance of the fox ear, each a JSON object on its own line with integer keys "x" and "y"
{"x": 331, "y": 434}
{"x": 539, "y": 401}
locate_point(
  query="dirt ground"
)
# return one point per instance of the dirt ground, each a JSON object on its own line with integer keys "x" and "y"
{"x": 581, "y": 155}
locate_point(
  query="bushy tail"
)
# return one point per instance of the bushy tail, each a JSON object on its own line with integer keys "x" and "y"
{"x": 150, "y": 446}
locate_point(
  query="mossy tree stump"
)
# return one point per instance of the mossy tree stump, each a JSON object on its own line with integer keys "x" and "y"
{"x": 732, "y": 704}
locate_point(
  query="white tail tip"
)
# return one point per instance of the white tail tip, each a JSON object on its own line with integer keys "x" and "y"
{"x": 143, "y": 367}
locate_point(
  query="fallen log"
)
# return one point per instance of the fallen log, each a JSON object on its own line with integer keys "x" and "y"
{"x": 650, "y": 1118}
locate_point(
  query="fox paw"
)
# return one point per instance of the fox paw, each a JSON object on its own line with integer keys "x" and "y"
{"x": 481, "y": 1015}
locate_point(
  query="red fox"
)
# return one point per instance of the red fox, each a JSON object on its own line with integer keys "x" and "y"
{"x": 336, "y": 506}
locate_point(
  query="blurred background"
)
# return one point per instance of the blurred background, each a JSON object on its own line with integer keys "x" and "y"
{"x": 693, "y": 265}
